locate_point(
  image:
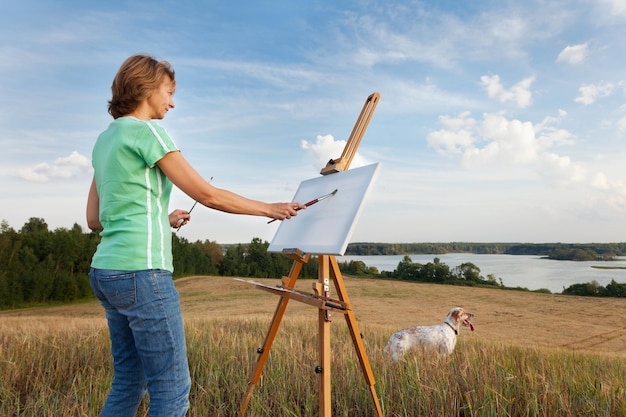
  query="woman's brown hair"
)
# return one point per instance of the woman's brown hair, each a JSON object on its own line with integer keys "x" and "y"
{"x": 136, "y": 79}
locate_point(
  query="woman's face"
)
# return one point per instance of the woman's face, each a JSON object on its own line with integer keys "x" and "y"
{"x": 162, "y": 99}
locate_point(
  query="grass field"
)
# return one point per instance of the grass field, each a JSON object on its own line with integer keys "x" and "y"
{"x": 531, "y": 354}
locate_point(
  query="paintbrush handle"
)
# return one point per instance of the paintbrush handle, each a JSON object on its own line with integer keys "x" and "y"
{"x": 179, "y": 223}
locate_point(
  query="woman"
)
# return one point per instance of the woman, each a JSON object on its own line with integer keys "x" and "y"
{"x": 136, "y": 164}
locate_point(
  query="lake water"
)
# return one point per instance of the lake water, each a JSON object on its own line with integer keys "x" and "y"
{"x": 532, "y": 272}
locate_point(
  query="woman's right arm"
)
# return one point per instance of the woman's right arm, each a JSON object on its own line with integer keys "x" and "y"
{"x": 185, "y": 177}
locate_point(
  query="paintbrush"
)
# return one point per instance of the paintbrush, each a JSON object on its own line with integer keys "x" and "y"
{"x": 179, "y": 223}
{"x": 310, "y": 203}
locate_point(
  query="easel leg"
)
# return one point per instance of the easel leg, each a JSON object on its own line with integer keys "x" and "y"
{"x": 271, "y": 334}
{"x": 357, "y": 340}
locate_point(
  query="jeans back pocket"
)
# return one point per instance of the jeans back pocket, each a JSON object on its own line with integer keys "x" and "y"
{"x": 119, "y": 290}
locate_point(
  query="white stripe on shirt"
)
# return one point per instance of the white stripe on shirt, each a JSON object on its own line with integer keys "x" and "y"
{"x": 156, "y": 135}
{"x": 160, "y": 208}
{"x": 149, "y": 214}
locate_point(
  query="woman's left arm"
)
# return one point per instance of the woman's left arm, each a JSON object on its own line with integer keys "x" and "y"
{"x": 93, "y": 208}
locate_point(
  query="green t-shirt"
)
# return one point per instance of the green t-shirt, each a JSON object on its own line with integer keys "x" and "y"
{"x": 134, "y": 196}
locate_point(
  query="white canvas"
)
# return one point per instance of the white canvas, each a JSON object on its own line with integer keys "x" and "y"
{"x": 325, "y": 227}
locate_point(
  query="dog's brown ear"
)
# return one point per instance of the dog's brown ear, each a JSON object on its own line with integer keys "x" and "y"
{"x": 455, "y": 315}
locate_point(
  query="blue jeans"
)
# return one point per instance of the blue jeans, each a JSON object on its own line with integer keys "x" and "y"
{"x": 147, "y": 342}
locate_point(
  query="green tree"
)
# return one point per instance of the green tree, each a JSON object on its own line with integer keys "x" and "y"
{"x": 408, "y": 270}
{"x": 435, "y": 271}
{"x": 589, "y": 289}
{"x": 233, "y": 263}
{"x": 36, "y": 236}
{"x": 468, "y": 272}
{"x": 615, "y": 289}
{"x": 259, "y": 260}
{"x": 354, "y": 267}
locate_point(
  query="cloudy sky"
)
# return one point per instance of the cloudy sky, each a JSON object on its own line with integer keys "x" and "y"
{"x": 498, "y": 120}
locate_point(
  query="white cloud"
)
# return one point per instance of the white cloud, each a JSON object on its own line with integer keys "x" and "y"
{"x": 548, "y": 135}
{"x": 561, "y": 170}
{"x": 519, "y": 93}
{"x": 615, "y": 190}
{"x": 617, "y": 7}
{"x": 574, "y": 54}
{"x": 455, "y": 136}
{"x": 326, "y": 148}
{"x": 508, "y": 141}
{"x": 600, "y": 181}
{"x": 497, "y": 141}
{"x": 65, "y": 167}
{"x": 590, "y": 92}
{"x": 494, "y": 139}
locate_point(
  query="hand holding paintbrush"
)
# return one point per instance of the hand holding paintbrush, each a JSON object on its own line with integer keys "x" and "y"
{"x": 179, "y": 223}
{"x": 310, "y": 203}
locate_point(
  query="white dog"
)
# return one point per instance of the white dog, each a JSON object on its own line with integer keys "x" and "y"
{"x": 440, "y": 337}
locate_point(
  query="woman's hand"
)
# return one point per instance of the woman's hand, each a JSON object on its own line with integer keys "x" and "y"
{"x": 283, "y": 211}
{"x": 179, "y": 218}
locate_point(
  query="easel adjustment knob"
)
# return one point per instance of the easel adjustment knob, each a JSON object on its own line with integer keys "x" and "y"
{"x": 259, "y": 350}
{"x": 334, "y": 165}
{"x": 319, "y": 369}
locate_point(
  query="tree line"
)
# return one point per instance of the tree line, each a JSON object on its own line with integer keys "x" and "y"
{"x": 558, "y": 251}
{"x": 38, "y": 265}
{"x": 468, "y": 274}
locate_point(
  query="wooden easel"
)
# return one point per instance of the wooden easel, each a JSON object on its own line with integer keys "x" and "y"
{"x": 328, "y": 269}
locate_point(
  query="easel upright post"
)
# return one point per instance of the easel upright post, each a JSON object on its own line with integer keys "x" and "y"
{"x": 343, "y": 162}
{"x": 322, "y": 289}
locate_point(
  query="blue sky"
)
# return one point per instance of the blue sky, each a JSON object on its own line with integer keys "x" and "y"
{"x": 498, "y": 120}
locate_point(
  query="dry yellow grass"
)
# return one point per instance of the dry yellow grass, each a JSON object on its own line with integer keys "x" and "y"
{"x": 581, "y": 324}
{"x": 531, "y": 354}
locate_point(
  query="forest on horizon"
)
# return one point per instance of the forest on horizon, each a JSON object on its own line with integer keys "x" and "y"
{"x": 39, "y": 266}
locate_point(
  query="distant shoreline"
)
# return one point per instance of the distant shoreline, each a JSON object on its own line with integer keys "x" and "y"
{"x": 607, "y": 267}
{"x": 556, "y": 251}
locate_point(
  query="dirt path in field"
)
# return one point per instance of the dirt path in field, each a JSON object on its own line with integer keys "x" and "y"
{"x": 587, "y": 324}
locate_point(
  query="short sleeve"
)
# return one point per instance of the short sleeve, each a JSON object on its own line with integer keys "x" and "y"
{"x": 157, "y": 143}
